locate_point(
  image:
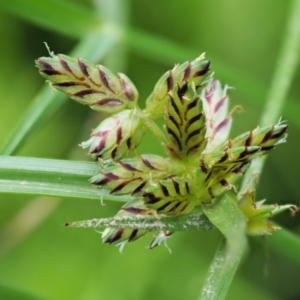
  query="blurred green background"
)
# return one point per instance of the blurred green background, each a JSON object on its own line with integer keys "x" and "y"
{"x": 44, "y": 259}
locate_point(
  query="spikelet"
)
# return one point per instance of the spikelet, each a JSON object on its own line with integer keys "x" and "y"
{"x": 116, "y": 136}
{"x": 215, "y": 106}
{"x": 184, "y": 122}
{"x": 121, "y": 236}
{"x": 196, "y": 72}
{"x": 133, "y": 175}
{"x": 251, "y": 144}
{"x": 266, "y": 138}
{"x": 89, "y": 84}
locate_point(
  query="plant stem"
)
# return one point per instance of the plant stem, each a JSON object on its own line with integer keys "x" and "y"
{"x": 287, "y": 63}
{"x": 285, "y": 70}
{"x": 286, "y": 244}
{"x": 64, "y": 17}
{"x": 228, "y": 218}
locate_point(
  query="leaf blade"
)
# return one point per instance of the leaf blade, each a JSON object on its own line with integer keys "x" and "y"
{"x": 77, "y": 20}
{"x": 192, "y": 221}
{"x": 36, "y": 176}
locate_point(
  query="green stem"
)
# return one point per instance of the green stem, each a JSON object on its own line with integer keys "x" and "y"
{"x": 228, "y": 218}
{"x": 285, "y": 70}
{"x": 64, "y": 17}
{"x": 285, "y": 244}
{"x": 116, "y": 13}
{"x": 287, "y": 63}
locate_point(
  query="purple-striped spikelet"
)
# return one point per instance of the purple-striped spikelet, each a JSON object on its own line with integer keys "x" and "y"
{"x": 193, "y": 73}
{"x": 116, "y": 136}
{"x": 89, "y": 84}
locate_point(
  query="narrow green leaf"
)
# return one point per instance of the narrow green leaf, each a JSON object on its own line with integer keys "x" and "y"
{"x": 47, "y": 102}
{"x": 285, "y": 69}
{"x": 283, "y": 242}
{"x": 36, "y": 176}
{"x": 193, "y": 221}
{"x": 64, "y": 17}
{"x": 286, "y": 244}
{"x": 287, "y": 63}
{"x": 228, "y": 218}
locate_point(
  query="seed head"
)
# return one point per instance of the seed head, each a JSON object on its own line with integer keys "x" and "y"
{"x": 201, "y": 163}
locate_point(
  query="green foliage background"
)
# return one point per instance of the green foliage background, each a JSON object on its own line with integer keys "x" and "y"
{"x": 39, "y": 256}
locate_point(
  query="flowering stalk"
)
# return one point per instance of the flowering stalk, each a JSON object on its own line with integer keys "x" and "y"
{"x": 202, "y": 164}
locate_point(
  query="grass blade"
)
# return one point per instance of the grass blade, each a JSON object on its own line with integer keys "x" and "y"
{"x": 64, "y": 17}
{"x": 287, "y": 63}
{"x": 283, "y": 242}
{"x": 35, "y": 176}
{"x": 285, "y": 70}
{"x": 286, "y": 244}
{"x": 193, "y": 221}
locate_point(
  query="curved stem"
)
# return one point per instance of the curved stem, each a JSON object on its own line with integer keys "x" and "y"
{"x": 287, "y": 63}
{"x": 228, "y": 218}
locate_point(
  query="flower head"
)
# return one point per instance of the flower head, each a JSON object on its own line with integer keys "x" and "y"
{"x": 202, "y": 163}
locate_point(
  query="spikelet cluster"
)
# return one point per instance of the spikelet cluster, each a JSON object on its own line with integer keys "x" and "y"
{"x": 201, "y": 162}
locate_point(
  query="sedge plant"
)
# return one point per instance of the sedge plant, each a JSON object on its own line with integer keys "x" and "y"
{"x": 202, "y": 165}
{"x": 197, "y": 178}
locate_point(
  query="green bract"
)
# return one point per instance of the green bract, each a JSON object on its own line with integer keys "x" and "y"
{"x": 202, "y": 163}
{"x": 257, "y": 213}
